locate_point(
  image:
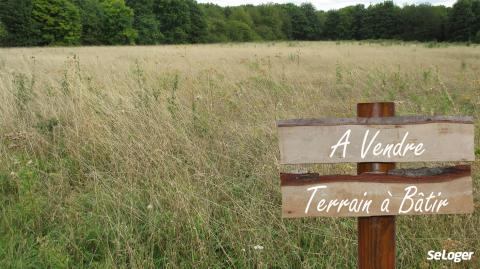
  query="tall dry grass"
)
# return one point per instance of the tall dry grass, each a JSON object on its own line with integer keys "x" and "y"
{"x": 167, "y": 156}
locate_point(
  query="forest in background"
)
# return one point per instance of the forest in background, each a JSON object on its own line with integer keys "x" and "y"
{"x": 148, "y": 22}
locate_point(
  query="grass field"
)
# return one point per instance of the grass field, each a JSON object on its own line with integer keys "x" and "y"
{"x": 167, "y": 156}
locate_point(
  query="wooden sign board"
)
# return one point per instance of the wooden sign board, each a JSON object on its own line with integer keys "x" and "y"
{"x": 382, "y": 139}
{"x": 400, "y": 192}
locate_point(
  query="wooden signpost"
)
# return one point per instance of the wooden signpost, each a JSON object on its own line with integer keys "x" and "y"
{"x": 375, "y": 140}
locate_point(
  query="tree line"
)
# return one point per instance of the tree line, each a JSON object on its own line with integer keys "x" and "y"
{"x": 119, "y": 22}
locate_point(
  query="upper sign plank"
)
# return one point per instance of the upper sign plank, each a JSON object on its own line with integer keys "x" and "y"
{"x": 382, "y": 139}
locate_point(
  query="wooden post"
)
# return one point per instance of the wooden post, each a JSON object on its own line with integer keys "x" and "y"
{"x": 396, "y": 139}
{"x": 376, "y": 235}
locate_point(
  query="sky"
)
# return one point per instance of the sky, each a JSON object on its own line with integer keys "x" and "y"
{"x": 325, "y": 4}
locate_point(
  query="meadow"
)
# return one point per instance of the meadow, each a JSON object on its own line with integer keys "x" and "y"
{"x": 167, "y": 156}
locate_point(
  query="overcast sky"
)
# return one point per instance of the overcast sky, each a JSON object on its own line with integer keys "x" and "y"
{"x": 325, "y": 4}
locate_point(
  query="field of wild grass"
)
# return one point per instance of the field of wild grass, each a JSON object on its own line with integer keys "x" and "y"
{"x": 167, "y": 156}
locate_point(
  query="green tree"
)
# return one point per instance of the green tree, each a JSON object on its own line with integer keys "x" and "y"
{"x": 108, "y": 22}
{"x": 145, "y": 22}
{"x": 356, "y": 14}
{"x": 111, "y": 22}
{"x": 216, "y": 23}
{"x": 423, "y": 22}
{"x": 117, "y": 24}
{"x": 241, "y": 15}
{"x": 345, "y": 23}
{"x": 312, "y": 30}
{"x": 174, "y": 19}
{"x": 475, "y": 28}
{"x": 198, "y": 29}
{"x": 381, "y": 21}
{"x": 181, "y": 21}
{"x": 332, "y": 25}
{"x": 305, "y": 22}
{"x": 239, "y": 31}
{"x": 93, "y": 18}
{"x": 286, "y": 18}
{"x": 461, "y": 20}
{"x": 271, "y": 17}
{"x": 58, "y": 21}
{"x": 3, "y": 32}
{"x": 21, "y": 29}
{"x": 239, "y": 25}
{"x": 267, "y": 21}
{"x": 299, "y": 22}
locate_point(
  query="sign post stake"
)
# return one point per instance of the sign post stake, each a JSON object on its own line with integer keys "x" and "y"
{"x": 376, "y": 139}
{"x": 376, "y": 235}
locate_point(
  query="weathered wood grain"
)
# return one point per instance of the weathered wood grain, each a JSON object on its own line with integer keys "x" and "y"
{"x": 453, "y": 185}
{"x": 376, "y": 235}
{"x": 311, "y": 141}
{"x": 410, "y": 176}
{"x": 399, "y": 120}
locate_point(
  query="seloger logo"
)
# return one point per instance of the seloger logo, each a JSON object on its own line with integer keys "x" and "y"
{"x": 449, "y": 256}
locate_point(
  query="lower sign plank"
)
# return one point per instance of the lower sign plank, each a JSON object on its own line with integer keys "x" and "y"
{"x": 400, "y": 192}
